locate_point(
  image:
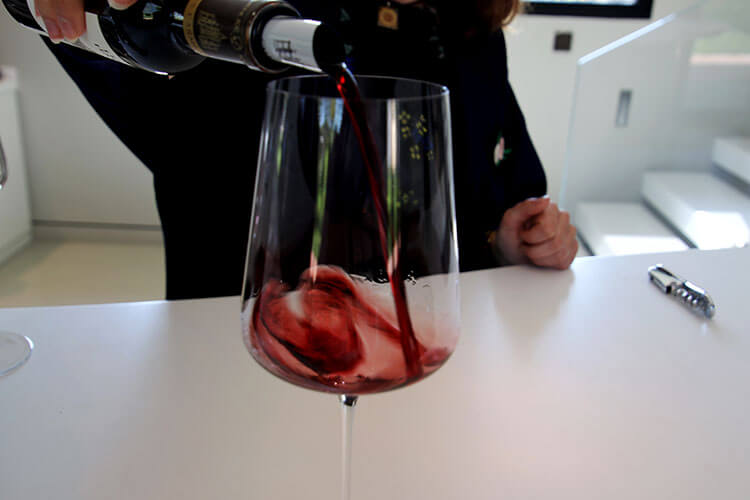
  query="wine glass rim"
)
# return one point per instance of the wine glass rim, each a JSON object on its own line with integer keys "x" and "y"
{"x": 438, "y": 91}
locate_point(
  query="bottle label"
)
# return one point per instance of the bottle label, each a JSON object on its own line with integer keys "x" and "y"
{"x": 227, "y": 30}
{"x": 216, "y": 30}
{"x": 93, "y": 40}
{"x": 289, "y": 40}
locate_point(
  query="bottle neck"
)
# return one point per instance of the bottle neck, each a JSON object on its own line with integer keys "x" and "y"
{"x": 289, "y": 41}
{"x": 267, "y": 36}
{"x": 231, "y": 30}
{"x": 303, "y": 43}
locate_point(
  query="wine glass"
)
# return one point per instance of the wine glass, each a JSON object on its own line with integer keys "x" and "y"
{"x": 15, "y": 349}
{"x": 351, "y": 281}
{"x": 351, "y": 278}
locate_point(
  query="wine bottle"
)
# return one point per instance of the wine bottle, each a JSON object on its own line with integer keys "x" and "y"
{"x": 168, "y": 36}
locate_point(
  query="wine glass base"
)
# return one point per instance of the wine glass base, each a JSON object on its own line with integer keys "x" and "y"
{"x": 15, "y": 350}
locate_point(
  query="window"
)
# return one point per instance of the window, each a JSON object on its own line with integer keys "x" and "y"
{"x": 591, "y": 8}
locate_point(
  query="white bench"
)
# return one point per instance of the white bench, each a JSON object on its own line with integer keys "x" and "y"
{"x": 733, "y": 155}
{"x": 707, "y": 211}
{"x": 623, "y": 229}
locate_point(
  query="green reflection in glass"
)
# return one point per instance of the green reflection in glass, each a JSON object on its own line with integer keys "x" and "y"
{"x": 330, "y": 113}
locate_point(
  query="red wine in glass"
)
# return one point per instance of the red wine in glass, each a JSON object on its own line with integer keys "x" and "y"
{"x": 349, "y": 91}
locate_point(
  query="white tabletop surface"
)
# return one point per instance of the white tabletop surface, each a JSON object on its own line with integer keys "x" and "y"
{"x": 582, "y": 384}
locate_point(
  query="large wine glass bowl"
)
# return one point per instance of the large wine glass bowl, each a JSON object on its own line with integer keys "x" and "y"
{"x": 351, "y": 281}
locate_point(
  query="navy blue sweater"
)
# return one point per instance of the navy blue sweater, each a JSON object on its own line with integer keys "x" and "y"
{"x": 198, "y": 134}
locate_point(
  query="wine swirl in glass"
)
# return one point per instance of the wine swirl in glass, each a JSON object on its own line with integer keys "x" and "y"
{"x": 351, "y": 280}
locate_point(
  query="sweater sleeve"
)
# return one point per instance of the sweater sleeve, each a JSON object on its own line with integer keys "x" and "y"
{"x": 495, "y": 162}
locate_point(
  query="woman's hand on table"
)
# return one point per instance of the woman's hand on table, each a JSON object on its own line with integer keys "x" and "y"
{"x": 536, "y": 231}
{"x": 64, "y": 19}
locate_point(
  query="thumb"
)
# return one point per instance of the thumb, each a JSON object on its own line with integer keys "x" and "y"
{"x": 121, "y": 4}
{"x": 524, "y": 210}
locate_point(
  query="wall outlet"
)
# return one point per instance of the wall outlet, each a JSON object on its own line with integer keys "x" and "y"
{"x": 563, "y": 41}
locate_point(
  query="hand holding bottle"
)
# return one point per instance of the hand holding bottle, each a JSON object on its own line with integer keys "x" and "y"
{"x": 65, "y": 19}
{"x": 166, "y": 38}
{"x": 62, "y": 19}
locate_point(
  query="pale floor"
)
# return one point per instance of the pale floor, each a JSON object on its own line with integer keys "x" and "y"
{"x": 64, "y": 272}
{"x": 52, "y": 272}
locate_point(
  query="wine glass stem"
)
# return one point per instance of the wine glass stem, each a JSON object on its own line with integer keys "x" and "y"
{"x": 347, "y": 422}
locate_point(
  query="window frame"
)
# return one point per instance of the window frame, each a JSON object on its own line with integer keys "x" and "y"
{"x": 641, "y": 10}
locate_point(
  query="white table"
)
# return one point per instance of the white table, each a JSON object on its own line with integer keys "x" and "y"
{"x": 583, "y": 384}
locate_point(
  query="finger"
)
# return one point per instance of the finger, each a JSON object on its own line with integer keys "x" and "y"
{"x": 71, "y": 18}
{"x": 46, "y": 10}
{"x": 545, "y": 226}
{"x": 564, "y": 259}
{"x": 572, "y": 254}
{"x": 121, "y": 4}
{"x": 559, "y": 243}
{"x": 557, "y": 253}
{"x": 544, "y": 252}
{"x": 517, "y": 215}
{"x": 62, "y": 18}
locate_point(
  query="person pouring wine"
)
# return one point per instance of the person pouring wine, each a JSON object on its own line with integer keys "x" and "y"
{"x": 198, "y": 131}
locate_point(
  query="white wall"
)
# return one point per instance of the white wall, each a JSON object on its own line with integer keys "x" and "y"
{"x": 15, "y": 210}
{"x": 79, "y": 171}
{"x": 543, "y": 79}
